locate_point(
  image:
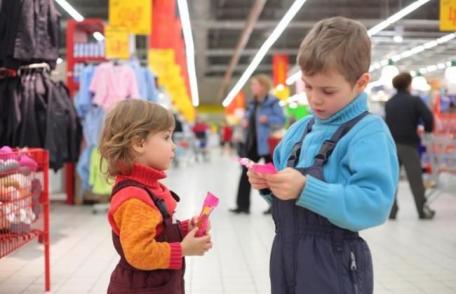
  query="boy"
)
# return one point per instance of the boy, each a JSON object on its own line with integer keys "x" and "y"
{"x": 338, "y": 170}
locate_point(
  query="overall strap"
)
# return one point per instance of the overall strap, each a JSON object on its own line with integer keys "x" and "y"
{"x": 328, "y": 146}
{"x": 296, "y": 151}
{"x": 160, "y": 203}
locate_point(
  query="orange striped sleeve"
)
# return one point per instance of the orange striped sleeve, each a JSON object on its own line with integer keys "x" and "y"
{"x": 137, "y": 223}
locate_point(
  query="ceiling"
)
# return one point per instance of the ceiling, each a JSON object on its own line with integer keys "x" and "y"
{"x": 217, "y": 26}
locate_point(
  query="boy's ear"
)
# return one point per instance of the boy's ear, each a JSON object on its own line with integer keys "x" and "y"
{"x": 137, "y": 144}
{"x": 362, "y": 82}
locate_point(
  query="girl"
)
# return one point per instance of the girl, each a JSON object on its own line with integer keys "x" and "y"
{"x": 137, "y": 148}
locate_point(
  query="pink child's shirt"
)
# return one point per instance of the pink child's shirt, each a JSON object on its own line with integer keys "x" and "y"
{"x": 113, "y": 83}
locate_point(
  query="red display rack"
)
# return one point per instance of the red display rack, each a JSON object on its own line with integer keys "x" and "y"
{"x": 79, "y": 33}
{"x": 24, "y": 203}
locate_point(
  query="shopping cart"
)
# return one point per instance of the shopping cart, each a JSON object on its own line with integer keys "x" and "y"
{"x": 184, "y": 149}
{"x": 440, "y": 157}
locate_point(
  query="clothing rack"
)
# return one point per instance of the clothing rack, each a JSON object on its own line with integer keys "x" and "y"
{"x": 36, "y": 65}
{"x": 7, "y": 72}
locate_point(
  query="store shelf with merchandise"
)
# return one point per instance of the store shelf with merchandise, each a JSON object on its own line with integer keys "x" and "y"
{"x": 24, "y": 202}
{"x": 84, "y": 45}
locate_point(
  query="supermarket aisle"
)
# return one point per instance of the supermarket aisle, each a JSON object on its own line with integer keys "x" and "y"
{"x": 409, "y": 256}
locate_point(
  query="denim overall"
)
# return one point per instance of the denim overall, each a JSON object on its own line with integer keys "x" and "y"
{"x": 310, "y": 255}
{"x": 126, "y": 279}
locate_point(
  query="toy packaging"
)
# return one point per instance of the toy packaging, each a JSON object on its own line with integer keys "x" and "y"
{"x": 267, "y": 168}
{"x": 209, "y": 204}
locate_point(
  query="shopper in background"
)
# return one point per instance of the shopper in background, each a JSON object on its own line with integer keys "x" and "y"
{"x": 137, "y": 147}
{"x": 226, "y": 138}
{"x": 337, "y": 168}
{"x": 178, "y": 135}
{"x": 201, "y": 131}
{"x": 262, "y": 116}
{"x": 403, "y": 114}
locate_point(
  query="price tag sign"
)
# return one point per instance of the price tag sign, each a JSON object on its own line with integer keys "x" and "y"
{"x": 135, "y": 15}
{"x": 117, "y": 42}
{"x": 448, "y": 15}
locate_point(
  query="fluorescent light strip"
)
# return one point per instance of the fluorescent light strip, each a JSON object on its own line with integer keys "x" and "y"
{"x": 413, "y": 51}
{"x": 281, "y": 26}
{"x": 293, "y": 78}
{"x": 70, "y": 10}
{"x": 77, "y": 16}
{"x": 189, "y": 50}
{"x": 432, "y": 67}
{"x": 376, "y": 29}
{"x": 395, "y": 17}
{"x": 98, "y": 36}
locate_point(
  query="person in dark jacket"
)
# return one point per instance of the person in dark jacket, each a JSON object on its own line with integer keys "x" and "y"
{"x": 403, "y": 114}
{"x": 263, "y": 114}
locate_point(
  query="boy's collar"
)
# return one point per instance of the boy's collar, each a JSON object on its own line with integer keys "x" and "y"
{"x": 357, "y": 106}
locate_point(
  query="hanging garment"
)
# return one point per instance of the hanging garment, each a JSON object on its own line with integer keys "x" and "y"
{"x": 83, "y": 100}
{"x": 98, "y": 180}
{"x": 39, "y": 113}
{"x": 113, "y": 83}
{"x": 29, "y": 32}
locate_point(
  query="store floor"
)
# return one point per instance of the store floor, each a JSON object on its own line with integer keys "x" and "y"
{"x": 410, "y": 256}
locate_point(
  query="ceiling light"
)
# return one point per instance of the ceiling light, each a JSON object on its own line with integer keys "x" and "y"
{"x": 398, "y": 39}
{"x": 395, "y": 17}
{"x": 416, "y": 50}
{"x": 98, "y": 36}
{"x": 281, "y": 26}
{"x": 420, "y": 83}
{"x": 189, "y": 49}
{"x": 387, "y": 75}
{"x": 390, "y": 20}
{"x": 293, "y": 78}
{"x": 450, "y": 72}
{"x": 70, "y": 10}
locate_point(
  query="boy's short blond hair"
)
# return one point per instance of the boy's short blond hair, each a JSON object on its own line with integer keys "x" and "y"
{"x": 336, "y": 43}
{"x": 129, "y": 120}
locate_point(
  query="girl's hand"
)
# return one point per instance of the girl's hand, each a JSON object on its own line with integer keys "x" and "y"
{"x": 194, "y": 222}
{"x": 257, "y": 180}
{"x": 192, "y": 245}
{"x": 286, "y": 184}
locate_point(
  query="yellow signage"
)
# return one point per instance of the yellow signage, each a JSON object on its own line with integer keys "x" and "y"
{"x": 448, "y": 15}
{"x": 117, "y": 43}
{"x": 136, "y": 15}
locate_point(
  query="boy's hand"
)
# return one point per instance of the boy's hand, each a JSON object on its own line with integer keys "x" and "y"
{"x": 245, "y": 123}
{"x": 286, "y": 184}
{"x": 192, "y": 245}
{"x": 257, "y": 180}
{"x": 263, "y": 119}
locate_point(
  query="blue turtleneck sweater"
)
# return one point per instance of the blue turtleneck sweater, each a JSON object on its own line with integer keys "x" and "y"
{"x": 361, "y": 174}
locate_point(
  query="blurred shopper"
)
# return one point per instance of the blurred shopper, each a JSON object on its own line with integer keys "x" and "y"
{"x": 200, "y": 130}
{"x": 226, "y": 138}
{"x": 403, "y": 114}
{"x": 263, "y": 114}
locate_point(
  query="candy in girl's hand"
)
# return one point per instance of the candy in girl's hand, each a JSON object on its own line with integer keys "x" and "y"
{"x": 209, "y": 204}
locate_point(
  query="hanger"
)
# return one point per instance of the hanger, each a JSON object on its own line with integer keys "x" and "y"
{"x": 34, "y": 66}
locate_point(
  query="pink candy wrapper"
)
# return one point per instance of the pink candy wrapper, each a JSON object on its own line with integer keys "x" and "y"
{"x": 267, "y": 168}
{"x": 209, "y": 204}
